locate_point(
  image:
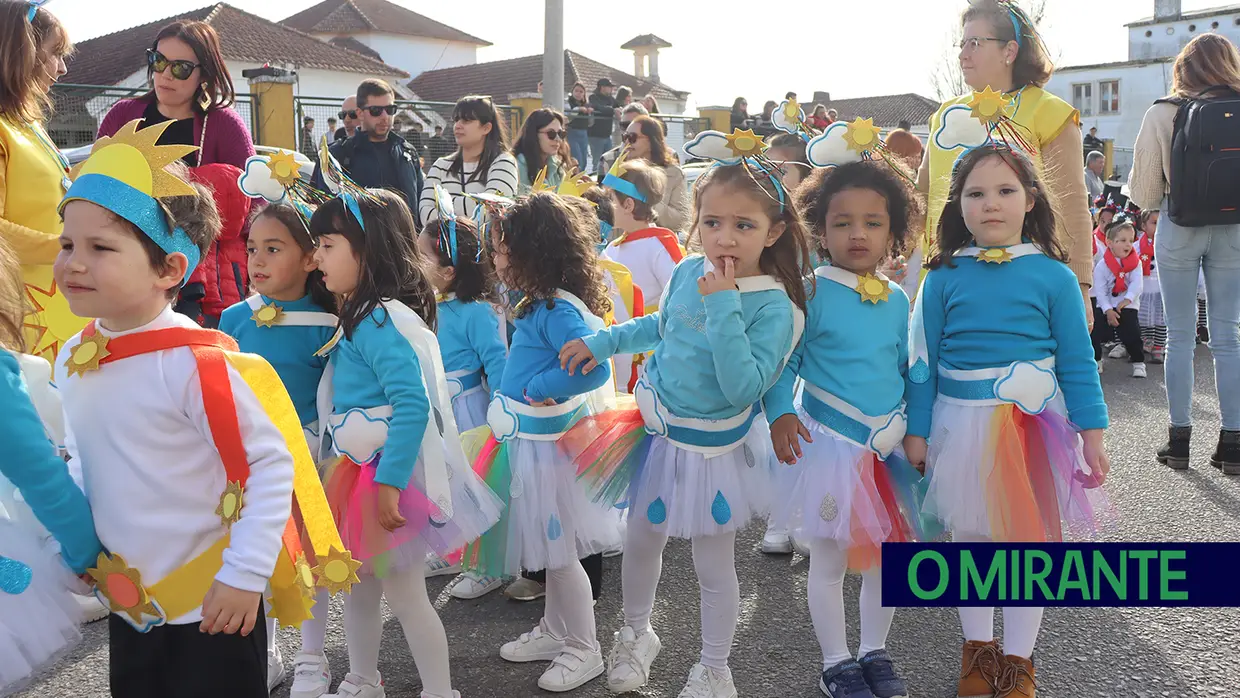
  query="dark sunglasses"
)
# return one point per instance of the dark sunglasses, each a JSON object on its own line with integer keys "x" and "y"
{"x": 348, "y": 114}
{"x": 554, "y": 135}
{"x": 376, "y": 111}
{"x": 630, "y": 138}
{"x": 158, "y": 63}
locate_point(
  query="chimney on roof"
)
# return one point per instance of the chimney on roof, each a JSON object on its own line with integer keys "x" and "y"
{"x": 822, "y": 98}
{"x": 1165, "y": 10}
{"x": 645, "y": 50}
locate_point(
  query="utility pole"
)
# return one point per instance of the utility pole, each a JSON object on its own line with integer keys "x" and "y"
{"x": 553, "y": 56}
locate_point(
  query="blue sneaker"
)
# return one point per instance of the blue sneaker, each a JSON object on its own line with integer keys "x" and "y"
{"x": 844, "y": 680}
{"x": 880, "y": 675}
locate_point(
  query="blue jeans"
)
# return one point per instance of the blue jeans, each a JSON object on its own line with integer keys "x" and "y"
{"x": 598, "y": 146}
{"x": 579, "y": 145}
{"x": 1180, "y": 254}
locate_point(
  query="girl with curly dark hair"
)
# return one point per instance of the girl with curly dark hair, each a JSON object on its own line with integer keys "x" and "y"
{"x": 546, "y": 250}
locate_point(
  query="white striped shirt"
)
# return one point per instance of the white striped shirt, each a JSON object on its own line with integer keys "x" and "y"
{"x": 500, "y": 179}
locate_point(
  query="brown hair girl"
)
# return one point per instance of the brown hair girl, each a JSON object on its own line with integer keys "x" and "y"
{"x": 27, "y": 48}
{"x": 1209, "y": 61}
{"x": 215, "y": 84}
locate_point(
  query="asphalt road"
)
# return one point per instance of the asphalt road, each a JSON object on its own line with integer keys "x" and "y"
{"x": 1083, "y": 653}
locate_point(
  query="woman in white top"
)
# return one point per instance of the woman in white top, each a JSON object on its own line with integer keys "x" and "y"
{"x": 1206, "y": 68}
{"x": 480, "y": 164}
{"x": 644, "y": 139}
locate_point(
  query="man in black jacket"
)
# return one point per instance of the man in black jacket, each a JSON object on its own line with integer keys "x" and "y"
{"x": 376, "y": 157}
{"x": 605, "y": 111}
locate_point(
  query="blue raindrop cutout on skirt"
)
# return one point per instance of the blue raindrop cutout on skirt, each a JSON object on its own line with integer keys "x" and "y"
{"x": 719, "y": 509}
{"x": 14, "y": 576}
{"x": 554, "y": 529}
{"x": 657, "y": 511}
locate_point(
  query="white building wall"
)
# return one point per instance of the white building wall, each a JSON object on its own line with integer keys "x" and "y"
{"x": 1165, "y": 40}
{"x": 416, "y": 55}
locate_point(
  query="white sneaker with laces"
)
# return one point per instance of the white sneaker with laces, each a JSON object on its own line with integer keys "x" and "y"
{"x": 438, "y": 567}
{"x": 1138, "y": 371}
{"x": 312, "y": 676}
{"x": 571, "y": 669}
{"x": 471, "y": 585}
{"x": 628, "y": 664}
{"x": 275, "y": 667}
{"x": 535, "y": 646}
{"x": 1119, "y": 352}
{"x": 777, "y": 542}
{"x": 92, "y": 608}
{"x": 355, "y": 686}
{"x": 705, "y": 682}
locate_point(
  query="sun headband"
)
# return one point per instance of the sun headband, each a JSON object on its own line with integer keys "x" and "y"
{"x": 790, "y": 118}
{"x": 340, "y": 185}
{"x": 741, "y": 147}
{"x": 858, "y": 140}
{"x": 125, "y": 174}
{"x": 277, "y": 179}
{"x": 614, "y": 180}
{"x": 488, "y": 208}
{"x": 447, "y": 223}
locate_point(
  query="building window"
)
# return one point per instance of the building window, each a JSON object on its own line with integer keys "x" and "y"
{"x": 1083, "y": 98}
{"x": 1108, "y": 97}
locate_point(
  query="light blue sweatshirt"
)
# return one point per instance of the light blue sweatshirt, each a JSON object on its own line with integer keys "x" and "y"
{"x": 852, "y": 348}
{"x": 31, "y": 464}
{"x": 378, "y": 367}
{"x": 714, "y": 356}
{"x": 469, "y": 338}
{"x": 533, "y": 370}
{"x": 288, "y": 348}
{"x": 984, "y": 315}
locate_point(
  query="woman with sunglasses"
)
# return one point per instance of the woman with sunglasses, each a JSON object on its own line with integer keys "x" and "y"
{"x": 543, "y": 143}
{"x": 1002, "y": 50}
{"x": 644, "y": 139}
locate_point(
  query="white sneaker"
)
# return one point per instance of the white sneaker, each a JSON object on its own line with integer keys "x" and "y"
{"x": 535, "y": 646}
{"x": 571, "y": 669}
{"x": 312, "y": 676}
{"x": 1100, "y": 367}
{"x": 705, "y": 682}
{"x": 275, "y": 667}
{"x": 628, "y": 664}
{"x": 438, "y": 567}
{"x": 525, "y": 589}
{"x": 1119, "y": 352}
{"x": 777, "y": 542}
{"x": 1138, "y": 371}
{"x": 471, "y": 585}
{"x": 355, "y": 686}
{"x": 92, "y": 608}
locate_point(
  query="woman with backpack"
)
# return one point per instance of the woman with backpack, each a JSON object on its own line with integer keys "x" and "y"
{"x": 1199, "y": 229}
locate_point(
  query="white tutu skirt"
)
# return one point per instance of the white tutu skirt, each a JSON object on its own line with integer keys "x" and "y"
{"x": 997, "y": 472}
{"x": 470, "y": 410}
{"x": 38, "y": 614}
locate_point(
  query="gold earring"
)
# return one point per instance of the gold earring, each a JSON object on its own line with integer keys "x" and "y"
{"x": 204, "y": 100}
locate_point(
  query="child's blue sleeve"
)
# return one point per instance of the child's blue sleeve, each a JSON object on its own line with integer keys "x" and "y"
{"x": 925, "y": 333}
{"x": 42, "y": 478}
{"x": 1074, "y": 358}
{"x": 396, "y": 366}
{"x": 746, "y": 358}
{"x": 636, "y": 336}
{"x": 559, "y": 326}
{"x": 482, "y": 329}
{"x": 778, "y": 400}
{"x": 231, "y": 319}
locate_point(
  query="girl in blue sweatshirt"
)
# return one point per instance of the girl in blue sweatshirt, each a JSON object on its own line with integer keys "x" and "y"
{"x": 288, "y": 319}
{"x": 690, "y": 461}
{"x": 1004, "y": 404}
{"x": 402, "y": 485}
{"x": 544, "y": 249}
{"x": 839, "y": 494}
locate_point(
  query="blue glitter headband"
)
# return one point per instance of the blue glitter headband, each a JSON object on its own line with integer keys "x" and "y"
{"x": 34, "y": 9}
{"x": 1015, "y": 26}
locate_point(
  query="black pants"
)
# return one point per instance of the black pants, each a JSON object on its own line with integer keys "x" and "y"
{"x": 1129, "y": 334}
{"x": 594, "y": 570}
{"x": 179, "y": 661}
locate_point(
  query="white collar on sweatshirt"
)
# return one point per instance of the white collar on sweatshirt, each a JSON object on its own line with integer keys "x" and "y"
{"x": 166, "y": 318}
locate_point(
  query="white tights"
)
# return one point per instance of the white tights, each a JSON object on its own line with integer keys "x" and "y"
{"x": 828, "y": 564}
{"x": 313, "y": 631}
{"x": 569, "y": 610}
{"x": 714, "y": 561}
{"x": 405, "y": 591}
{"x": 1020, "y": 624}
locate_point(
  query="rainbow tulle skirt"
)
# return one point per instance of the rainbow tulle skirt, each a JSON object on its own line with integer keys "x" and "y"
{"x": 998, "y": 472}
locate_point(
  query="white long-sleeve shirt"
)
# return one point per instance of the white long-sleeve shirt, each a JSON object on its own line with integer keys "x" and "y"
{"x": 1104, "y": 281}
{"x": 138, "y": 429}
{"x": 501, "y": 178}
{"x": 649, "y": 263}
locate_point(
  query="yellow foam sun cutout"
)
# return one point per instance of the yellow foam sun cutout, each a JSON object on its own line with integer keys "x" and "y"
{"x": 132, "y": 156}
{"x": 284, "y": 168}
{"x": 337, "y": 571}
{"x": 861, "y": 135}
{"x": 231, "y": 501}
{"x": 87, "y": 354}
{"x": 744, "y": 143}
{"x": 305, "y": 575}
{"x": 576, "y": 185}
{"x": 122, "y": 586}
{"x": 995, "y": 255}
{"x": 792, "y": 110}
{"x": 268, "y": 315}
{"x": 990, "y": 106}
{"x": 540, "y": 180}
{"x": 872, "y": 289}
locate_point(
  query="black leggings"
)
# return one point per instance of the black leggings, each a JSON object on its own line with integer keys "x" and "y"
{"x": 1129, "y": 334}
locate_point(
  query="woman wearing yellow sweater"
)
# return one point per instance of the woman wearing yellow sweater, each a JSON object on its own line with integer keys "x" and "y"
{"x": 33, "y": 174}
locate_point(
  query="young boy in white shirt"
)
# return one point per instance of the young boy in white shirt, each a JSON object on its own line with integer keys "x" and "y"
{"x": 1118, "y": 279}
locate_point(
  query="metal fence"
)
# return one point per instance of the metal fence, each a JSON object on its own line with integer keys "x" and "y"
{"x": 81, "y": 108}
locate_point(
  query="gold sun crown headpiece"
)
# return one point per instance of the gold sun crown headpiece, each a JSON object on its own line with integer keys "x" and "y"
{"x": 570, "y": 185}
{"x": 126, "y": 175}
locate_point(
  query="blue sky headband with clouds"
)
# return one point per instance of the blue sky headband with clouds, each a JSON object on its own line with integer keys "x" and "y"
{"x": 741, "y": 147}
{"x": 845, "y": 142}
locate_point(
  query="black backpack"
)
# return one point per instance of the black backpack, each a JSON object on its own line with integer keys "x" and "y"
{"x": 1205, "y": 161}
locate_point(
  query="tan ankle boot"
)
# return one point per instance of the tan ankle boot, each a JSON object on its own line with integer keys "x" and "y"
{"x": 979, "y": 669}
{"x": 1018, "y": 679}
